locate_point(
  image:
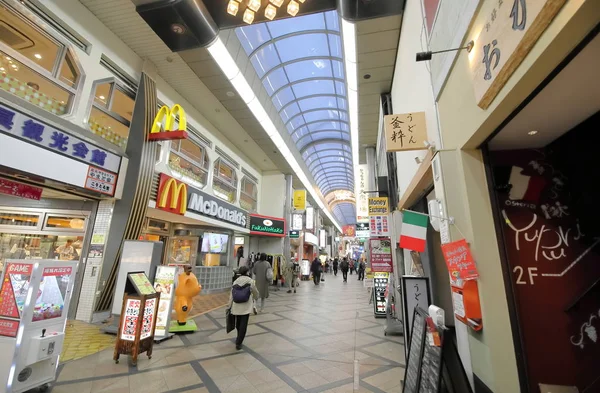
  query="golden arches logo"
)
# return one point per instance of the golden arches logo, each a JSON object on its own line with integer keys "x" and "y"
{"x": 157, "y": 132}
{"x": 178, "y": 194}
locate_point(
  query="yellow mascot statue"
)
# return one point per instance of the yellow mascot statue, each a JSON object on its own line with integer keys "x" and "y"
{"x": 187, "y": 288}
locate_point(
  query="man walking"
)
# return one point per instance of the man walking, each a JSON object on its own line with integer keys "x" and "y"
{"x": 316, "y": 268}
{"x": 344, "y": 266}
{"x": 361, "y": 270}
{"x": 335, "y": 266}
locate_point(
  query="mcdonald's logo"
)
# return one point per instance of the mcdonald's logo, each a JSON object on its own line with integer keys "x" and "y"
{"x": 169, "y": 116}
{"x": 172, "y": 195}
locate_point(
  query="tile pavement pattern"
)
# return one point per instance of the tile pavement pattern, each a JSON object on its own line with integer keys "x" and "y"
{"x": 321, "y": 339}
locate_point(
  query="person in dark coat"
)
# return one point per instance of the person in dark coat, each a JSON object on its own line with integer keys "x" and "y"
{"x": 344, "y": 267}
{"x": 316, "y": 268}
{"x": 335, "y": 266}
{"x": 361, "y": 270}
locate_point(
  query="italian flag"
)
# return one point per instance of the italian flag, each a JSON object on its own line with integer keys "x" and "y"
{"x": 414, "y": 231}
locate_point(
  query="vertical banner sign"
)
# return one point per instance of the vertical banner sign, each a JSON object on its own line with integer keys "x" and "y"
{"x": 132, "y": 313}
{"x": 416, "y": 294}
{"x": 381, "y": 255}
{"x": 310, "y": 218}
{"x": 459, "y": 260}
{"x": 406, "y": 131}
{"x": 164, "y": 283}
{"x": 297, "y": 222}
{"x": 300, "y": 199}
{"x": 362, "y": 199}
{"x": 510, "y": 30}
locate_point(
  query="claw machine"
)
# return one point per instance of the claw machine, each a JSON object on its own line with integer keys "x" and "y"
{"x": 34, "y": 301}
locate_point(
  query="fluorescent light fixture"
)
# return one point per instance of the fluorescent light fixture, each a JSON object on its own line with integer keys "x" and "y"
{"x": 223, "y": 58}
{"x": 349, "y": 40}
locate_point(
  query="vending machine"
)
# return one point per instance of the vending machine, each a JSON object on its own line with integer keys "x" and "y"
{"x": 34, "y": 301}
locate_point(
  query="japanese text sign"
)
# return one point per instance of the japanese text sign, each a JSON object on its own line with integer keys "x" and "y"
{"x": 34, "y": 132}
{"x": 509, "y": 29}
{"x": 362, "y": 202}
{"x": 299, "y": 199}
{"x": 381, "y": 255}
{"x": 379, "y": 226}
{"x": 20, "y": 190}
{"x": 459, "y": 260}
{"x": 378, "y": 206}
{"x": 101, "y": 181}
{"x": 405, "y": 131}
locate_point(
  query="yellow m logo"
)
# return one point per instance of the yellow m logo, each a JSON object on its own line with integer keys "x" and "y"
{"x": 170, "y": 114}
{"x": 178, "y": 193}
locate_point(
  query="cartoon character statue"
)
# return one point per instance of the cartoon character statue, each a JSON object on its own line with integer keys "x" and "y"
{"x": 187, "y": 288}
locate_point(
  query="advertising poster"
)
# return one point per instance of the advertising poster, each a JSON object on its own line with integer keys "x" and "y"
{"x": 381, "y": 255}
{"x": 349, "y": 230}
{"x": 148, "y": 319}
{"x": 8, "y": 327}
{"x": 14, "y": 289}
{"x": 164, "y": 283}
{"x": 459, "y": 260}
{"x": 299, "y": 199}
{"x": 132, "y": 313}
{"x": 379, "y": 226}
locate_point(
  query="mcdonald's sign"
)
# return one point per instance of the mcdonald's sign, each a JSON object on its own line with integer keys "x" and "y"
{"x": 158, "y": 133}
{"x": 172, "y": 195}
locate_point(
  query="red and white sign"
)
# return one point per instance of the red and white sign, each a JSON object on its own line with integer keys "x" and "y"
{"x": 379, "y": 226}
{"x": 132, "y": 314}
{"x": 8, "y": 327}
{"x": 459, "y": 260}
{"x": 20, "y": 190}
{"x": 381, "y": 255}
{"x": 8, "y": 302}
{"x": 101, "y": 181}
{"x": 58, "y": 271}
{"x": 19, "y": 268}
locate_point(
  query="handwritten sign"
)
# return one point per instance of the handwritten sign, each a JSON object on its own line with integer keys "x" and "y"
{"x": 405, "y": 132}
{"x": 509, "y": 32}
{"x": 459, "y": 260}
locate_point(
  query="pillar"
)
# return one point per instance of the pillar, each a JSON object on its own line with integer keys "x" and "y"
{"x": 287, "y": 214}
{"x": 372, "y": 168}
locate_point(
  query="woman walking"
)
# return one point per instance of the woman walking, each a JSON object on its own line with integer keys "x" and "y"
{"x": 262, "y": 281}
{"x": 241, "y": 299}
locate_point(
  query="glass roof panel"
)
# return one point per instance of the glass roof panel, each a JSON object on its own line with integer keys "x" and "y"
{"x": 300, "y": 62}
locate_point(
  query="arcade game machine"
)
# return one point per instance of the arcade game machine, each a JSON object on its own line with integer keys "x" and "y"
{"x": 34, "y": 301}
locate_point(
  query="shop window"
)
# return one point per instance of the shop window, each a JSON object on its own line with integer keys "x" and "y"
{"x": 34, "y": 65}
{"x": 19, "y": 219}
{"x": 37, "y": 246}
{"x": 111, "y": 111}
{"x": 189, "y": 159}
{"x": 249, "y": 194}
{"x": 225, "y": 181}
{"x": 68, "y": 223}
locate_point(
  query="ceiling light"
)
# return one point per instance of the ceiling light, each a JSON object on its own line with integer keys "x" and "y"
{"x": 270, "y": 12}
{"x": 277, "y": 3}
{"x": 233, "y": 7}
{"x": 254, "y": 5}
{"x": 14, "y": 66}
{"x": 293, "y": 8}
{"x": 248, "y": 16}
{"x": 302, "y": 1}
{"x": 37, "y": 56}
{"x": 533, "y": 132}
{"x": 101, "y": 97}
{"x": 230, "y": 94}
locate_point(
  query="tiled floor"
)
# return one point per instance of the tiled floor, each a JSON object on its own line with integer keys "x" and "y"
{"x": 84, "y": 339}
{"x": 321, "y": 339}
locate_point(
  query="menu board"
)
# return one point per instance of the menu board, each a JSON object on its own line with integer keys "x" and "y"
{"x": 430, "y": 368}
{"x": 417, "y": 341}
{"x": 380, "y": 284}
{"x": 141, "y": 283}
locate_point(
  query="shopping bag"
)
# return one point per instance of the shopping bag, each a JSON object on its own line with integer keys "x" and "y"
{"x": 230, "y": 318}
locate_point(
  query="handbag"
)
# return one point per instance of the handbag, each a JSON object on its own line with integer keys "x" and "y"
{"x": 230, "y": 320}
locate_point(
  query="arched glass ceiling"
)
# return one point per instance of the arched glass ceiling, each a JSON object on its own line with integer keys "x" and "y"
{"x": 300, "y": 63}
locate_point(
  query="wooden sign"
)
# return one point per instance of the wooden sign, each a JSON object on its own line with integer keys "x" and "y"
{"x": 406, "y": 131}
{"x": 511, "y": 29}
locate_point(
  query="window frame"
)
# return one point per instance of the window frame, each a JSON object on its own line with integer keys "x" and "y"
{"x": 205, "y": 156}
{"x": 65, "y": 48}
{"x": 243, "y": 192}
{"x": 216, "y": 176}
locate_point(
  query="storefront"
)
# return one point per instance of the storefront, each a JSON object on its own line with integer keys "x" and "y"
{"x": 311, "y": 246}
{"x": 197, "y": 229}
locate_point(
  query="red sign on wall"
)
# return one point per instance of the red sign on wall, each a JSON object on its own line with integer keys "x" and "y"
{"x": 459, "y": 260}
{"x": 20, "y": 190}
{"x": 381, "y": 255}
{"x": 349, "y": 230}
{"x": 8, "y": 327}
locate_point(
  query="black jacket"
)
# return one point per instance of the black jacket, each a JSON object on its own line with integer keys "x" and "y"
{"x": 315, "y": 267}
{"x": 345, "y": 266}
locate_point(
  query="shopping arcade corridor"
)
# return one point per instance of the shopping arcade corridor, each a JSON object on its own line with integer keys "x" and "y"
{"x": 303, "y": 342}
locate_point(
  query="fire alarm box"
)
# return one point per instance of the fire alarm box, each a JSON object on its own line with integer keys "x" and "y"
{"x": 467, "y": 307}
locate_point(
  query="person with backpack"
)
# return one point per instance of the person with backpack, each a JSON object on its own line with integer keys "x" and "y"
{"x": 292, "y": 277}
{"x": 263, "y": 274}
{"x": 344, "y": 267}
{"x": 241, "y": 302}
{"x": 361, "y": 270}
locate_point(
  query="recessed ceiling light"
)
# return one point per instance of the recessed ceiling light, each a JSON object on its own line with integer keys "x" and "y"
{"x": 533, "y": 132}
{"x": 37, "y": 56}
{"x": 367, "y": 76}
{"x": 101, "y": 97}
{"x": 230, "y": 94}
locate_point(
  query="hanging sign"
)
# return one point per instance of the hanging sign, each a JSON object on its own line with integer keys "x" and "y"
{"x": 300, "y": 199}
{"x": 379, "y": 226}
{"x": 267, "y": 226}
{"x": 459, "y": 260}
{"x": 167, "y": 131}
{"x": 381, "y": 255}
{"x": 297, "y": 221}
{"x": 294, "y": 234}
{"x": 378, "y": 206}
{"x": 362, "y": 230}
{"x": 349, "y": 230}
{"x": 20, "y": 190}
{"x": 310, "y": 218}
{"x": 362, "y": 199}
{"x": 406, "y": 131}
{"x": 506, "y": 37}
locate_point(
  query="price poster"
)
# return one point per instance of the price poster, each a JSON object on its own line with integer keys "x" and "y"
{"x": 379, "y": 226}
{"x": 459, "y": 260}
{"x": 132, "y": 313}
{"x": 164, "y": 283}
{"x": 148, "y": 319}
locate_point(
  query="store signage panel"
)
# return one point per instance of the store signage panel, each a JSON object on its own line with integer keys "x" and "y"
{"x": 362, "y": 199}
{"x": 349, "y": 230}
{"x": 381, "y": 255}
{"x": 379, "y": 226}
{"x": 310, "y": 218}
{"x": 508, "y": 32}
{"x": 101, "y": 181}
{"x": 9, "y": 327}
{"x": 37, "y": 133}
{"x": 322, "y": 238}
{"x": 294, "y": 234}
{"x": 378, "y": 206}
{"x": 167, "y": 116}
{"x": 362, "y": 230}
{"x": 267, "y": 226}
{"x": 164, "y": 283}
{"x": 300, "y": 199}
{"x": 406, "y": 131}
{"x": 297, "y": 221}
{"x": 20, "y": 190}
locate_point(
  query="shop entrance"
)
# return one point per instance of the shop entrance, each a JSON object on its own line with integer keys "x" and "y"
{"x": 543, "y": 183}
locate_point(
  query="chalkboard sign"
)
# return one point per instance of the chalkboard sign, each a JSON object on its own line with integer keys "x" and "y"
{"x": 415, "y": 350}
{"x": 430, "y": 367}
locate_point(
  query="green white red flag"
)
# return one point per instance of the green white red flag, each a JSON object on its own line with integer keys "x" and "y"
{"x": 414, "y": 231}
